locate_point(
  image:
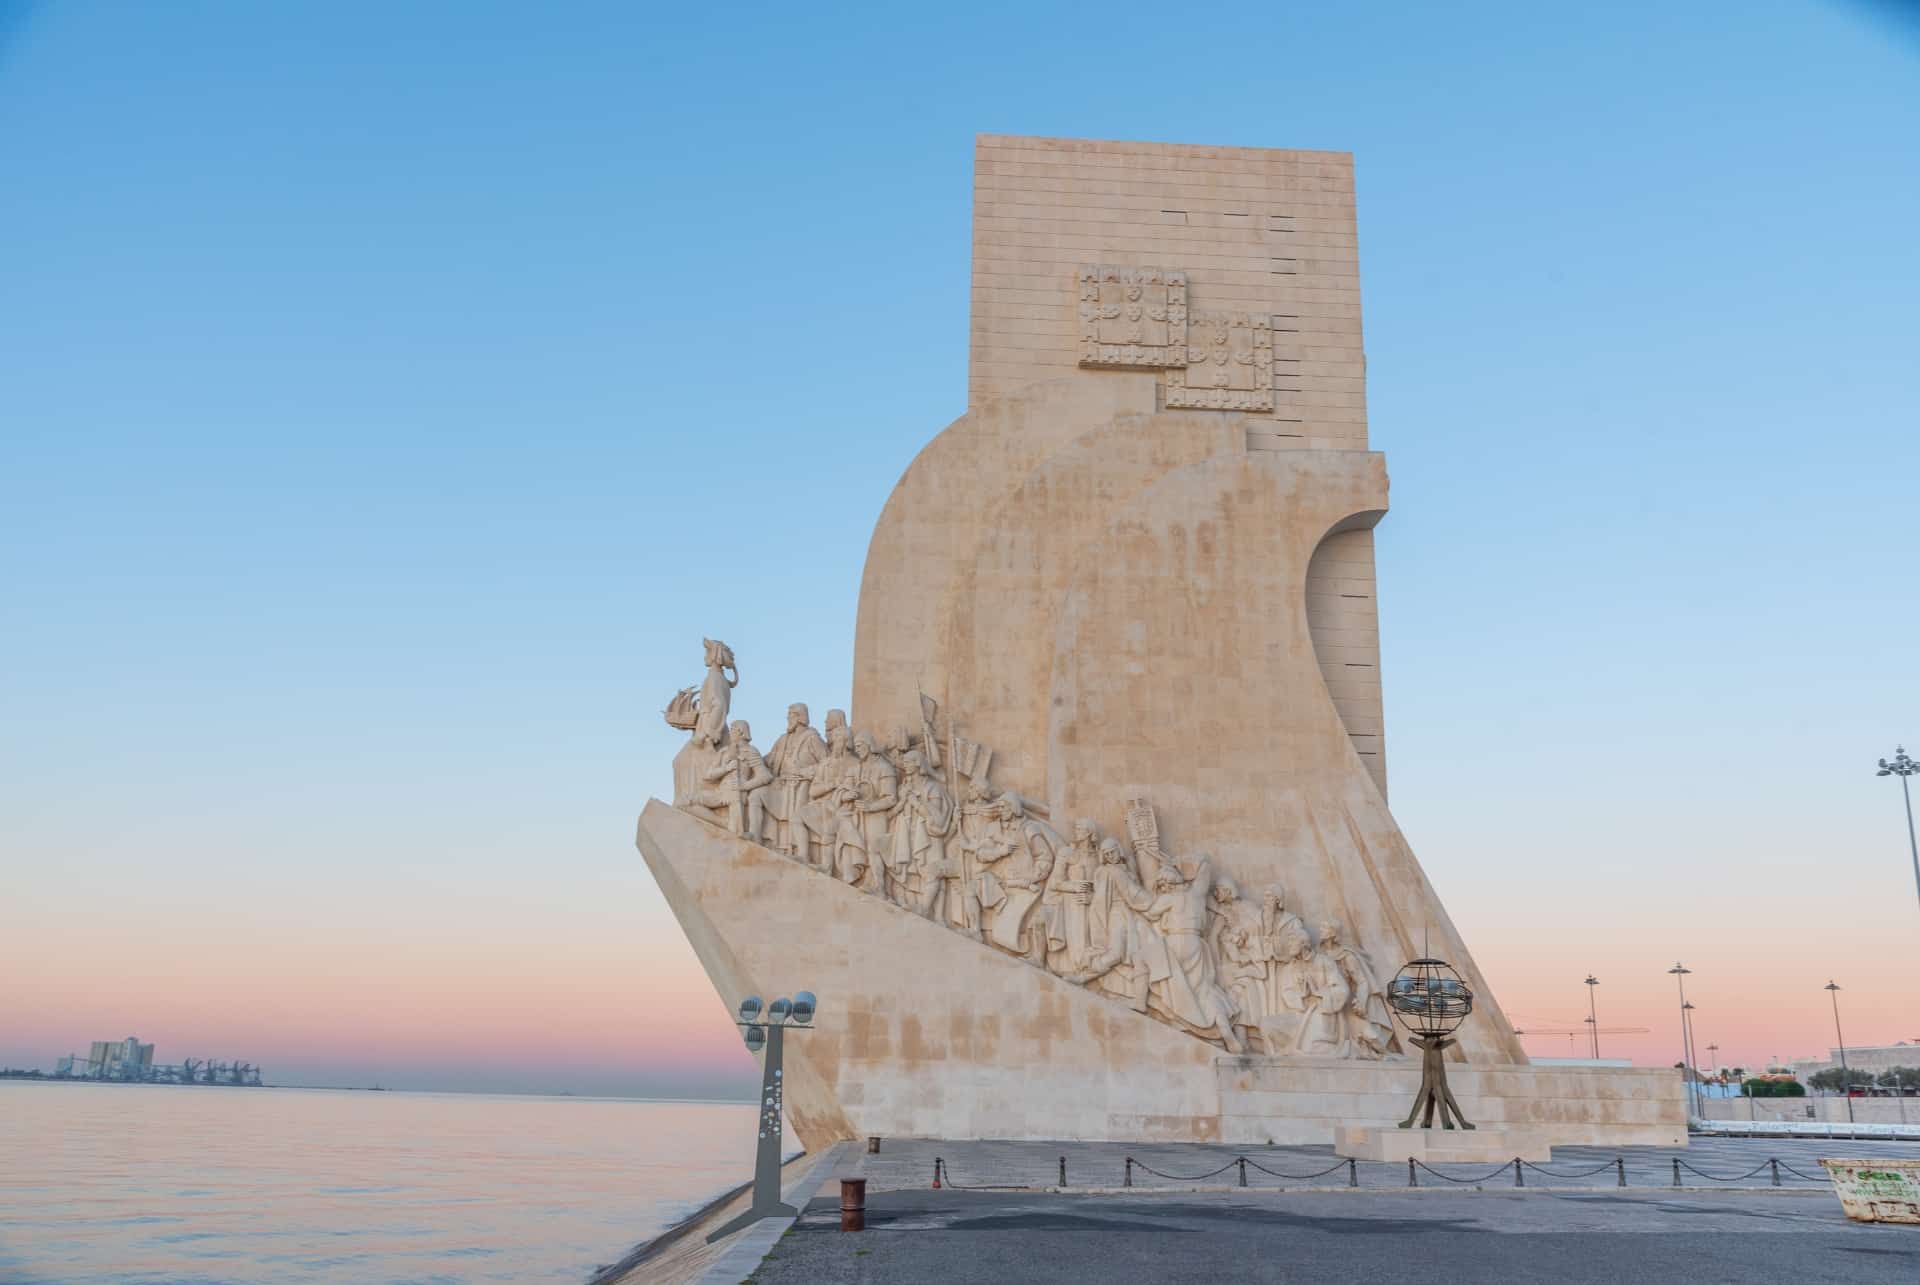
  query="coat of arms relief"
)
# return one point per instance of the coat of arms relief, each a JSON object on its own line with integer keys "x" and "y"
{"x": 1138, "y": 317}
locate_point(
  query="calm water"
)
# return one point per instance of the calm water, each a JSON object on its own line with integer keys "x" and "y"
{"x": 109, "y": 1182}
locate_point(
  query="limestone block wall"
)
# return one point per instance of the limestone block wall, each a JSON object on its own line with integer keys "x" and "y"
{"x": 1263, "y": 231}
{"x": 1291, "y": 1101}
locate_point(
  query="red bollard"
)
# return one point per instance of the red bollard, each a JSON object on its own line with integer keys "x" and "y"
{"x": 853, "y": 1204}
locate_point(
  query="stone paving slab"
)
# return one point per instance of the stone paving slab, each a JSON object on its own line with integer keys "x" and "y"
{"x": 908, "y": 1164}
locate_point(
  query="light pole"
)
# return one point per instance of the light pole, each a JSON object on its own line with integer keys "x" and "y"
{"x": 1693, "y": 1060}
{"x": 771, "y": 1033}
{"x": 1846, "y": 1081}
{"x": 1593, "y": 1016}
{"x": 1904, "y": 767}
{"x": 1679, "y": 973}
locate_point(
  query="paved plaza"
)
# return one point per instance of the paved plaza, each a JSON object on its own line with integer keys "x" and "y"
{"x": 1437, "y": 1237}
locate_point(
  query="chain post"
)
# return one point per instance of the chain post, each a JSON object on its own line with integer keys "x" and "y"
{"x": 1620, "y": 1168}
{"x": 1776, "y": 1171}
{"x": 1353, "y": 1173}
{"x": 1676, "y": 1171}
{"x": 1128, "y": 1180}
{"x": 1243, "y": 1171}
{"x": 936, "y": 1173}
{"x": 1413, "y": 1179}
{"x": 1063, "y": 1171}
{"x": 1519, "y": 1179}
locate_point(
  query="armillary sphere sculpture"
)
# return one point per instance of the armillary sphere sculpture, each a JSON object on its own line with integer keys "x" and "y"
{"x": 1431, "y": 1001}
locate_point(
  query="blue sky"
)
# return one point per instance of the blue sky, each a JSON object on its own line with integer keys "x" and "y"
{"x": 392, "y": 396}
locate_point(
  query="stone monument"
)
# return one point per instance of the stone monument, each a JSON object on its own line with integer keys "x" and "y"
{"x": 1103, "y": 850}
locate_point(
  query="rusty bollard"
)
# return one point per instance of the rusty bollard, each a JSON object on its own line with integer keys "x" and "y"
{"x": 873, "y": 1146}
{"x": 853, "y": 1204}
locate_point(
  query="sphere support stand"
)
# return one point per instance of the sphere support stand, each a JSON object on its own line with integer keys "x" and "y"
{"x": 1434, "y": 1093}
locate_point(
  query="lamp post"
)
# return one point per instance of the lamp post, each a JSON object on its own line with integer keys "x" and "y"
{"x": 1593, "y": 1016}
{"x": 771, "y": 1033}
{"x": 1679, "y": 973}
{"x": 1846, "y": 1081}
{"x": 1693, "y": 1060}
{"x": 1904, "y": 767}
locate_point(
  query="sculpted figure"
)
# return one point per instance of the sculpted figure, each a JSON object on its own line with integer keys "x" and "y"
{"x": 876, "y": 787}
{"x": 716, "y": 693}
{"x": 739, "y": 783}
{"x": 1179, "y": 911}
{"x": 1127, "y": 956}
{"x": 917, "y": 867}
{"x": 793, "y": 759}
{"x": 1324, "y": 1031}
{"x": 1240, "y": 952}
{"x": 1368, "y": 1022}
{"x": 832, "y": 814}
{"x": 972, "y": 887}
{"x": 1289, "y": 945}
{"x": 1022, "y": 854}
{"x": 1069, "y": 898}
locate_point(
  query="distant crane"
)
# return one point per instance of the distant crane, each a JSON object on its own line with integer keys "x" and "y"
{"x": 1573, "y": 1031}
{"x": 189, "y": 1070}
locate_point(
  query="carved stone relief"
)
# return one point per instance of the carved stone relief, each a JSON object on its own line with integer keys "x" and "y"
{"x": 1131, "y": 316}
{"x": 1138, "y": 317}
{"x": 1229, "y": 363}
{"x": 918, "y": 823}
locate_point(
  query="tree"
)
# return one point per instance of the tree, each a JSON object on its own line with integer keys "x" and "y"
{"x": 1905, "y": 1079}
{"x": 1767, "y": 1088}
{"x": 1834, "y": 1080}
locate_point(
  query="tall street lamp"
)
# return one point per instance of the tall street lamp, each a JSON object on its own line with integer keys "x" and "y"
{"x": 1846, "y": 1081}
{"x": 769, "y": 1032}
{"x": 1593, "y": 1016}
{"x": 1904, "y": 767}
{"x": 1693, "y": 1059}
{"x": 1679, "y": 973}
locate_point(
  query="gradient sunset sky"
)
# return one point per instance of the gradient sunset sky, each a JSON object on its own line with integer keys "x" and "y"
{"x": 392, "y": 396}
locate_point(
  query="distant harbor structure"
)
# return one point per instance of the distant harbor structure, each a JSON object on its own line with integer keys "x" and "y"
{"x": 130, "y": 1061}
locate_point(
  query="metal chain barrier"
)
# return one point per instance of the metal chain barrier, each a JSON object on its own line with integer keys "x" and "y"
{"x": 1562, "y": 1173}
{"x": 1465, "y": 1182}
{"x": 1679, "y": 1164}
{"x": 1303, "y": 1177}
{"x": 1175, "y": 1177}
{"x": 943, "y": 1177}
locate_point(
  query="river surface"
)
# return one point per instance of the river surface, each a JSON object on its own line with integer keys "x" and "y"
{"x": 130, "y": 1183}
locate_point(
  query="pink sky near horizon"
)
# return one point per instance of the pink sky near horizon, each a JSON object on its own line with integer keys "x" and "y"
{"x": 612, "y": 1011}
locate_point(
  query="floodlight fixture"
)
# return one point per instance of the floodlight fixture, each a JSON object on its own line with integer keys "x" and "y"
{"x": 768, "y": 1032}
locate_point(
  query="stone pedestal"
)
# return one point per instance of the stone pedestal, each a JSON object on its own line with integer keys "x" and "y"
{"x": 1441, "y": 1146}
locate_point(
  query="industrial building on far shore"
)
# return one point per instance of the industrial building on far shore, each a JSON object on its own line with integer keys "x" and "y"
{"x": 131, "y": 1061}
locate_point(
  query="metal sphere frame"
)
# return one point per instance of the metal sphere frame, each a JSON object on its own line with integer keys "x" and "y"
{"x": 1429, "y": 998}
